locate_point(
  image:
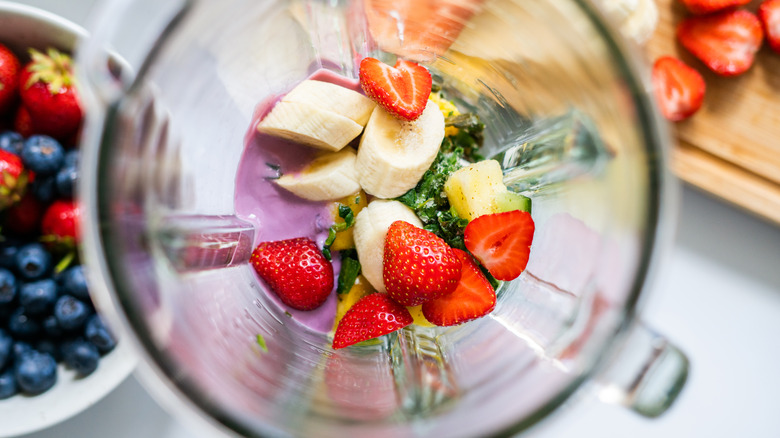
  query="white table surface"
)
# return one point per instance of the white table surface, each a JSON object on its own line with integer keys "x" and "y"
{"x": 717, "y": 295}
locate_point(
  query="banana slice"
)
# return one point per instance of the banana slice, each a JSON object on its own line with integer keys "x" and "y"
{"x": 394, "y": 154}
{"x": 334, "y": 98}
{"x": 369, "y": 232}
{"x": 309, "y": 125}
{"x": 328, "y": 177}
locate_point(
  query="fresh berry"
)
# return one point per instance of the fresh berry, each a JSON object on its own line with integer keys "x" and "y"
{"x": 35, "y": 372}
{"x": 12, "y": 142}
{"x": 22, "y": 122}
{"x": 42, "y": 154}
{"x": 82, "y": 357}
{"x": 402, "y": 90}
{"x": 372, "y": 316}
{"x": 38, "y": 297}
{"x": 23, "y": 326}
{"x": 33, "y": 261}
{"x": 769, "y": 14}
{"x": 8, "y": 287}
{"x": 24, "y": 217}
{"x": 296, "y": 270}
{"x": 44, "y": 188}
{"x": 501, "y": 242}
{"x": 9, "y": 78}
{"x": 66, "y": 180}
{"x": 49, "y": 94}
{"x": 51, "y": 327}
{"x": 679, "y": 89}
{"x": 6, "y": 348}
{"x": 473, "y": 298}
{"x": 74, "y": 282}
{"x": 13, "y": 179}
{"x": 60, "y": 223}
{"x": 8, "y": 385}
{"x": 418, "y": 265}
{"x": 709, "y": 6}
{"x": 725, "y": 41}
{"x": 71, "y": 313}
{"x": 99, "y": 335}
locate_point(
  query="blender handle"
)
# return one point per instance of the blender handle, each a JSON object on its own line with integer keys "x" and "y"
{"x": 645, "y": 373}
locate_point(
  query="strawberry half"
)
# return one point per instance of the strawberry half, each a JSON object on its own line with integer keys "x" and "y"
{"x": 679, "y": 88}
{"x": 13, "y": 179}
{"x": 402, "y": 90}
{"x": 296, "y": 271}
{"x": 372, "y": 316}
{"x": 473, "y": 298}
{"x": 769, "y": 14}
{"x": 726, "y": 42}
{"x": 501, "y": 242}
{"x": 418, "y": 265}
{"x": 48, "y": 92}
{"x": 709, "y": 6}
{"x": 9, "y": 78}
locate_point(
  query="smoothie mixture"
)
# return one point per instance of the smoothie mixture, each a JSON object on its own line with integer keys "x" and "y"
{"x": 373, "y": 207}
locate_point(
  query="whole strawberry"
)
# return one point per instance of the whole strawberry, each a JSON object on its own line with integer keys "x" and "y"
{"x": 372, "y": 316}
{"x": 60, "y": 223}
{"x": 48, "y": 93}
{"x": 13, "y": 179}
{"x": 9, "y": 78}
{"x": 296, "y": 270}
{"x": 418, "y": 265}
{"x": 24, "y": 217}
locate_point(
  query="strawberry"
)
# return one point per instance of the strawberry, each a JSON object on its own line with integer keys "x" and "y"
{"x": 418, "y": 265}
{"x": 769, "y": 14}
{"x": 372, "y": 316}
{"x": 9, "y": 78}
{"x": 679, "y": 89}
{"x": 402, "y": 90}
{"x": 22, "y": 122}
{"x": 709, "y": 6}
{"x": 13, "y": 179}
{"x": 473, "y": 298}
{"x": 24, "y": 217}
{"x": 501, "y": 242}
{"x": 60, "y": 223}
{"x": 48, "y": 92}
{"x": 296, "y": 270}
{"x": 726, "y": 41}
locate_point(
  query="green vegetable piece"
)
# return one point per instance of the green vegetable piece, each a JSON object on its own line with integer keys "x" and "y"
{"x": 510, "y": 201}
{"x": 261, "y": 343}
{"x": 350, "y": 269}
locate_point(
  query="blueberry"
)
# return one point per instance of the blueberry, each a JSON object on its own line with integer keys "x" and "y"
{"x": 8, "y": 286}
{"x": 12, "y": 142}
{"x": 71, "y": 158}
{"x": 45, "y": 188}
{"x": 49, "y": 347}
{"x": 8, "y": 385}
{"x": 36, "y": 372}
{"x": 33, "y": 261}
{"x": 42, "y": 154}
{"x": 82, "y": 356}
{"x": 8, "y": 249}
{"x": 66, "y": 180}
{"x": 6, "y": 348}
{"x": 19, "y": 348}
{"x": 38, "y": 297}
{"x": 98, "y": 334}
{"x": 71, "y": 313}
{"x": 51, "y": 327}
{"x": 74, "y": 282}
{"x": 22, "y": 325}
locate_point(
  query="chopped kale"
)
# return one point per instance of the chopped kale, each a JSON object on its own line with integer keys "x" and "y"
{"x": 350, "y": 269}
{"x": 469, "y": 136}
{"x": 349, "y": 220}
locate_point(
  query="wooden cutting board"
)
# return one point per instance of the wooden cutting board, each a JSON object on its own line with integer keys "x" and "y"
{"x": 731, "y": 147}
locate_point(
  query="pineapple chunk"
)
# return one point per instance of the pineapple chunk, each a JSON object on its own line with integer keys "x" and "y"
{"x": 355, "y": 202}
{"x": 448, "y": 109}
{"x": 418, "y": 316}
{"x": 360, "y": 289}
{"x": 472, "y": 190}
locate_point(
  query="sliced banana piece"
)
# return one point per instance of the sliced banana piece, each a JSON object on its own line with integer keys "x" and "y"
{"x": 334, "y": 98}
{"x": 394, "y": 154}
{"x": 309, "y": 125}
{"x": 369, "y": 232}
{"x": 328, "y": 177}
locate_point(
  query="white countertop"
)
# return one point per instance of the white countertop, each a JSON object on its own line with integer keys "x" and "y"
{"x": 717, "y": 296}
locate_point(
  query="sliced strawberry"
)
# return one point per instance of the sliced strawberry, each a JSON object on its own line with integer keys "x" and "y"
{"x": 296, "y": 271}
{"x": 9, "y": 78}
{"x": 501, "y": 242}
{"x": 402, "y": 90}
{"x": 679, "y": 89}
{"x": 372, "y": 316}
{"x": 48, "y": 92}
{"x": 709, "y": 6}
{"x": 769, "y": 14}
{"x": 473, "y": 298}
{"x": 418, "y": 265}
{"x": 726, "y": 41}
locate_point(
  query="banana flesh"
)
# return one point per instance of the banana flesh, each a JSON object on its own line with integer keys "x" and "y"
{"x": 394, "y": 154}
{"x": 328, "y": 177}
{"x": 309, "y": 125}
{"x": 333, "y": 98}
{"x": 369, "y": 232}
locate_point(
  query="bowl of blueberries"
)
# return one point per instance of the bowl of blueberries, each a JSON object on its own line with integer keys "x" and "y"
{"x": 58, "y": 356}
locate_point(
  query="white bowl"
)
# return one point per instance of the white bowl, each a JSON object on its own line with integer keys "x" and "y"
{"x": 22, "y": 27}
